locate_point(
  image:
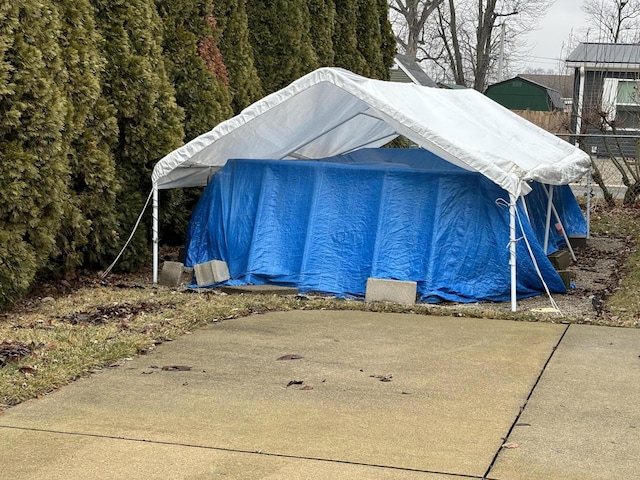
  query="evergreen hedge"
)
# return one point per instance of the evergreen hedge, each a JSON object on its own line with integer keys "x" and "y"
{"x": 35, "y": 172}
{"x": 89, "y": 223}
{"x": 233, "y": 25}
{"x": 94, "y": 92}
{"x": 149, "y": 120}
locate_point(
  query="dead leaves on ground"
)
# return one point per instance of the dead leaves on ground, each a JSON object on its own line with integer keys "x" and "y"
{"x": 122, "y": 312}
{"x": 176, "y": 368}
{"x": 510, "y": 445}
{"x": 291, "y": 356}
{"x": 13, "y": 352}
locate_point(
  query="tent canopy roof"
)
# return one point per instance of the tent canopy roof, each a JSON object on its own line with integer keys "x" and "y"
{"x": 332, "y": 111}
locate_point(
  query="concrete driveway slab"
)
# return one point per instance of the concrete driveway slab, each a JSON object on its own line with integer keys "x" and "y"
{"x": 55, "y": 456}
{"x": 402, "y": 391}
{"x": 583, "y": 419}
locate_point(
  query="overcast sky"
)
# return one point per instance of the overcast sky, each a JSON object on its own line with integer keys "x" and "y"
{"x": 554, "y": 29}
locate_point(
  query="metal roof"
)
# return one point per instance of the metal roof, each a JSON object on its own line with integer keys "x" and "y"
{"x": 563, "y": 84}
{"x": 622, "y": 56}
{"x": 451, "y": 86}
{"x": 413, "y": 71}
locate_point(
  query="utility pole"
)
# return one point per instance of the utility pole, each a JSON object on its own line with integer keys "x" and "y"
{"x": 501, "y": 55}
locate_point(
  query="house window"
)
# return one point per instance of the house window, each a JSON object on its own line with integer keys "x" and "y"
{"x": 628, "y": 104}
{"x": 621, "y": 102}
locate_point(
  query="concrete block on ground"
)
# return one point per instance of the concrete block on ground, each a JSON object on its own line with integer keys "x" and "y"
{"x": 212, "y": 272}
{"x": 578, "y": 241}
{"x": 171, "y": 274}
{"x": 398, "y": 291}
{"x": 566, "y": 277}
{"x": 187, "y": 275}
{"x": 560, "y": 259}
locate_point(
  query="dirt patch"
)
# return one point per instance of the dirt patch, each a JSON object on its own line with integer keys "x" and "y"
{"x": 595, "y": 274}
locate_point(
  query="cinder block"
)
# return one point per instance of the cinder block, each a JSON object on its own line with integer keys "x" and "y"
{"x": 560, "y": 259}
{"x": 220, "y": 270}
{"x": 566, "y": 277}
{"x": 171, "y": 274}
{"x": 382, "y": 290}
{"x": 187, "y": 275}
{"x": 211, "y": 272}
{"x": 578, "y": 241}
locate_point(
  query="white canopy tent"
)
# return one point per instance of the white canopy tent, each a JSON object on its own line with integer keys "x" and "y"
{"x": 332, "y": 111}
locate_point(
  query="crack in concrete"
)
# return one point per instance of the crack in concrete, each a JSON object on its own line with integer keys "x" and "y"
{"x": 241, "y": 451}
{"x": 524, "y": 405}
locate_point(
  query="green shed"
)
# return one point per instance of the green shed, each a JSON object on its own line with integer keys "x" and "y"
{"x": 519, "y": 93}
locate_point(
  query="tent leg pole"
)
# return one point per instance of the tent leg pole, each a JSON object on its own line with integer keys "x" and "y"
{"x": 524, "y": 205}
{"x": 564, "y": 234}
{"x": 155, "y": 233}
{"x": 589, "y": 203}
{"x": 512, "y": 250}
{"x": 548, "y": 223}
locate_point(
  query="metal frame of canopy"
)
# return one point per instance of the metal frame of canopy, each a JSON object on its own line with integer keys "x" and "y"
{"x": 409, "y": 110}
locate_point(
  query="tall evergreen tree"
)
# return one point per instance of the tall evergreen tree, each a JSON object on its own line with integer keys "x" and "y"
{"x": 90, "y": 133}
{"x": 149, "y": 120}
{"x": 245, "y": 85}
{"x": 323, "y": 17}
{"x": 194, "y": 63}
{"x": 369, "y": 39}
{"x": 196, "y": 69}
{"x": 388, "y": 40}
{"x": 345, "y": 38}
{"x": 279, "y": 31}
{"x": 32, "y": 161}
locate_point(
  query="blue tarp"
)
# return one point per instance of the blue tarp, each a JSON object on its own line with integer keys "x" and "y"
{"x": 328, "y": 225}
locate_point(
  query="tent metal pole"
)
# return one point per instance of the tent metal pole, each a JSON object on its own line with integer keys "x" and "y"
{"x": 589, "y": 203}
{"x": 524, "y": 205}
{"x": 578, "y": 130}
{"x": 155, "y": 232}
{"x": 548, "y": 221}
{"x": 564, "y": 233}
{"x": 512, "y": 250}
{"x": 321, "y": 134}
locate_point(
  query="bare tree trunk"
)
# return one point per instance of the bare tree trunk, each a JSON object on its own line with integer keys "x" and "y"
{"x": 415, "y": 14}
{"x": 486, "y": 22}
{"x": 460, "y": 39}
{"x": 625, "y": 165}
{"x": 459, "y": 68}
{"x": 597, "y": 177}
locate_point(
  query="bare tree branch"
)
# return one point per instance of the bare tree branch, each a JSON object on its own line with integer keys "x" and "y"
{"x": 617, "y": 21}
{"x": 460, "y": 38}
{"x": 414, "y": 14}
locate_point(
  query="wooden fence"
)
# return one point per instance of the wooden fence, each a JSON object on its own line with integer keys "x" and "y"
{"x": 554, "y": 122}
